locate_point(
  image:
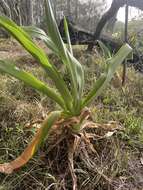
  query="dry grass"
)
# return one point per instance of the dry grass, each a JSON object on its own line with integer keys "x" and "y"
{"x": 117, "y": 162}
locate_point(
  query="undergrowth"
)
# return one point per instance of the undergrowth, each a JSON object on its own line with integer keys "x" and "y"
{"x": 116, "y": 163}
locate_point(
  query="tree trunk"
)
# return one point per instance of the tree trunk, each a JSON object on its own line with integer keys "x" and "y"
{"x": 76, "y": 11}
{"x": 116, "y": 4}
{"x": 69, "y": 7}
{"x": 29, "y": 7}
{"x": 55, "y": 7}
{"x": 20, "y": 11}
{"x": 5, "y": 8}
{"x": 126, "y": 40}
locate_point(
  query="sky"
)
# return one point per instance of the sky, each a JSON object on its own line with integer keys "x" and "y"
{"x": 121, "y": 13}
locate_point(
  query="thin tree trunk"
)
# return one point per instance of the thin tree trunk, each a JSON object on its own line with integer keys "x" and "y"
{"x": 116, "y": 4}
{"x": 29, "y": 12}
{"x": 55, "y": 8}
{"x": 69, "y": 7}
{"x": 76, "y": 10}
{"x": 6, "y": 8}
{"x": 126, "y": 40}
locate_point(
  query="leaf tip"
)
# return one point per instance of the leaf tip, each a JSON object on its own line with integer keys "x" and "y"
{"x": 6, "y": 168}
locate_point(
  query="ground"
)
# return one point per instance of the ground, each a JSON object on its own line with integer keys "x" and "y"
{"x": 117, "y": 163}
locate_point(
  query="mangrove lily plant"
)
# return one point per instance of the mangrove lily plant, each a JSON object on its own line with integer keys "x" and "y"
{"x": 72, "y": 102}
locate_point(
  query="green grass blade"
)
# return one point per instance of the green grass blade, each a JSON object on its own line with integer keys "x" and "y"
{"x": 29, "y": 79}
{"x": 103, "y": 81}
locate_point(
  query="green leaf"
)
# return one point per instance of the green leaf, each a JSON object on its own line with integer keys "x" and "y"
{"x": 36, "y": 32}
{"x": 77, "y": 74}
{"x": 67, "y": 35}
{"x": 40, "y": 55}
{"x": 52, "y": 29}
{"x": 96, "y": 90}
{"x": 105, "y": 50}
{"x": 29, "y": 79}
{"x": 73, "y": 66}
{"x": 112, "y": 66}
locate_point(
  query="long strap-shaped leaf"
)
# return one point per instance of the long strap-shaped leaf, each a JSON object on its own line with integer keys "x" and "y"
{"x": 67, "y": 35}
{"x": 10, "y": 68}
{"x": 33, "y": 146}
{"x": 103, "y": 81}
{"x": 52, "y": 28}
{"x": 105, "y": 50}
{"x": 36, "y": 32}
{"x": 74, "y": 67}
{"x": 77, "y": 72}
{"x": 39, "y": 54}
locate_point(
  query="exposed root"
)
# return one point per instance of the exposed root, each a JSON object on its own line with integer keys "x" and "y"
{"x": 72, "y": 146}
{"x": 65, "y": 145}
{"x": 78, "y": 146}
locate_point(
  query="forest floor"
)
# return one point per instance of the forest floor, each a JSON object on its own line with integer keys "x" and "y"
{"x": 118, "y": 161}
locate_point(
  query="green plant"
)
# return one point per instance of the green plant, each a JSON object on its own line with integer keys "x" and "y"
{"x": 71, "y": 101}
